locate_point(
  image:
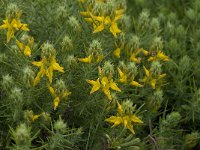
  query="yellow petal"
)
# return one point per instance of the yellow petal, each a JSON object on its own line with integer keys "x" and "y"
{"x": 96, "y": 85}
{"x": 24, "y": 27}
{"x": 146, "y": 71}
{"x": 99, "y": 58}
{"x": 134, "y": 59}
{"x": 119, "y": 108}
{"x": 152, "y": 58}
{"x": 57, "y": 67}
{"x": 135, "y": 119}
{"x": 107, "y": 20}
{"x": 145, "y": 52}
{"x": 65, "y": 94}
{"x": 153, "y": 83}
{"x": 134, "y": 83}
{"x": 106, "y": 91}
{"x": 99, "y": 71}
{"x": 114, "y": 86}
{"x": 20, "y": 45}
{"x": 49, "y": 73}
{"x": 37, "y": 63}
{"x": 99, "y": 28}
{"x": 89, "y": 20}
{"x": 162, "y": 56}
{"x": 52, "y": 91}
{"x": 98, "y": 18}
{"x": 39, "y": 75}
{"x": 56, "y": 102}
{"x": 104, "y": 81}
{"x": 5, "y": 25}
{"x": 117, "y": 52}
{"x": 85, "y": 13}
{"x": 114, "y": 119}
{"x": 123, "y": 77}
{"x": 114, "y": 29}
{"x": 161, "y": 76}
{"x": 27, "y": 51}
{"x": 35, "y": 117}
{"x": 130, "y": 127}
{"x": 86, "y": 60}
{"x": 10, "y": 34}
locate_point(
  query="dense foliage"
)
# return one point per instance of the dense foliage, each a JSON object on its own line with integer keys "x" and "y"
{"x": 99, "y": 74}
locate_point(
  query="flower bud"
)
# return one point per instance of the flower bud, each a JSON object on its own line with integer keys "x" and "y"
{"x": 74, "y": 23}
{"x": 171, "y": 120}
{"x": 133, "y": 42}
{"x": 155, "y": 100}
{"x": 60, "y": 86}
{"x": 67, "y": 44}
{"x": 71, "y": 61}
{"x": 155, "y": 25}
{"x": 22, "y": 135}
{"x": 132, "y": 70}
{"x": 157, "y": 44}
{"x": 46, "y": 117}
{"x": 125, "y": 21}
{"x": 156, "y": 68}
{"x": 60, "y": 126}
{"x": 13, "y": 12}
{"x": 7, "y": 82}
{"x": 143, "y": 21}
{"x": 16, "y": 95}
{"x": 108, "y": 69}
{"x": 28, "y": 76}
{"x": 128, "y": 107}
{"x": 48, "y": 50}
{"x": 95, "y": 48}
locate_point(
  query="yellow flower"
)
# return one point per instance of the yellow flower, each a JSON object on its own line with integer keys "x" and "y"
{"x": 159, "y": 56}
{"x": 47, "y": 66}
{"x": 57, "y": 96}
{"x": 134, "y": 57}
{"x": 124, "y": 79}
{"x": 123, "y": 76}
{"x": 86, "y": 60}
{"x": 117, "y": 52}
{"x": 25, "y": 48}
{"x": 91, "y": 59}
{"x": 99, "y": 22}
{"x": 12, "y": 27}
{"x": 105, "y": 85}
{"x": 35, "y": 117}
{"x": 149, "y": 78}
{"x": 96, "y": 85}
{"x": 126, "y": 119}
{"x": 135, "y": 83}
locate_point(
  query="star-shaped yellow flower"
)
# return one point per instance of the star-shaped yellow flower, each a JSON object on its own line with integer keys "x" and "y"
{"x": 124, "y": 79}
{"x": 126, "y": 119}
{"x": 91, "y": 58}
{"x": 149, "y": 79}
{"x": 57, "y": 96}
{"x": 105, "y": 84}
{"x": 13, "y": 26}
{"x": 100, "y": 22}
{"x": 25, "y": 48}
{"x": 47, "y": 66}
{"x": 159, "y": 56}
